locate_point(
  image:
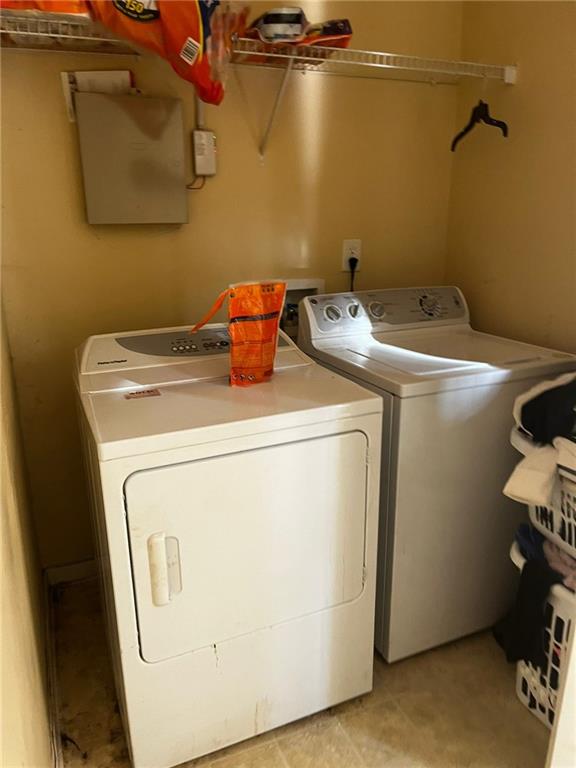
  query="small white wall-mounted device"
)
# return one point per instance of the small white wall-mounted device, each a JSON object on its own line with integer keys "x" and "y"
{"x": 204, "y": 153}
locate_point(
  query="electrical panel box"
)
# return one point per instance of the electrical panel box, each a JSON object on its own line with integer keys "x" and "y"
{"x": 133, "y": 159}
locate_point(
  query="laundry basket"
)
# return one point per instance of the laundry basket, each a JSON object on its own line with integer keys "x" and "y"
{"x": 558, "y": 522}
{"x": 538, "y": 688}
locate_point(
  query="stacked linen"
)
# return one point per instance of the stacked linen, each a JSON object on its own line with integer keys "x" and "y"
{"x": 535, "y": 633}
{"x": 533, "y": 545}
{"x": 545, "y": 479}
{"x": 561, "y": 562}
{"x": 545, "y": 433}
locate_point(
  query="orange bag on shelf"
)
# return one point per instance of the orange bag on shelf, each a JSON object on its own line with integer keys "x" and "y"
{"x": 72, "y": 10}
{"x": 177, "y": 30}
{"x": 254, "y": 311}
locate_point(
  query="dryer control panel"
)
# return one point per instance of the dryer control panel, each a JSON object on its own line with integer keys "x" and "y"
{"x": 207, "y": 341}
{"x": 388, "y": 309}
{"x": 179, "y": 343}
{"x": 207, "y": 352}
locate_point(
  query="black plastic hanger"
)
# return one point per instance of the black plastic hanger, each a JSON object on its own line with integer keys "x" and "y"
{"x": 480, "y": 114}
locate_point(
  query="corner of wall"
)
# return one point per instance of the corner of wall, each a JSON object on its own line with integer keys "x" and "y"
{"x": 26, "y": 738}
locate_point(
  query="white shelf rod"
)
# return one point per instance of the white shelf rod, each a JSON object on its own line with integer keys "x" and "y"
{"x": 322, "y": 59}
{"x": 313, "y": 57}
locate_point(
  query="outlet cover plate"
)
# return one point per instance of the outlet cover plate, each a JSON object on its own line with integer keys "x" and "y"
{"x": 352, "y": 247}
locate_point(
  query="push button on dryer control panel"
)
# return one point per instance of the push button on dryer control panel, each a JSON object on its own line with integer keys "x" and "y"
{"x": 183, "y": 345}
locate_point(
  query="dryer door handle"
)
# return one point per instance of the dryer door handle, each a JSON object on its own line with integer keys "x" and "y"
{"x": 164, "y": 565}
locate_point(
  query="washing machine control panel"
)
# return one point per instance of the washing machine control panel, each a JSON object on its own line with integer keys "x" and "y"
{"x": 390, "y": 308}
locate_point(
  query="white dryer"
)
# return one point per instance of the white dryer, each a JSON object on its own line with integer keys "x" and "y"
{"x": 448, "y": 392}
{"x": 237, "y": 533}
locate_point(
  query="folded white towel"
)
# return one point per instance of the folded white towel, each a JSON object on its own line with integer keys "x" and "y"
{"x": 522, "y": 442}
{"x": 535, "y": 479}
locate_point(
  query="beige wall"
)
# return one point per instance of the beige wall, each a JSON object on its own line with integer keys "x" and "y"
{"x": 512, "y": 237}
{"x": 24, "y": 731}
{"x": 348, "y": 158}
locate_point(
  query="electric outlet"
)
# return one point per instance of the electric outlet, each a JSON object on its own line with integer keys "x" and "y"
{"x": 351, "y": 248}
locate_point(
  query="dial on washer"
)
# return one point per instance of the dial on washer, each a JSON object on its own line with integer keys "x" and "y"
{"x": 354, "y": 310}
{"x": 377, "y": 310}
{"x": 333, "y": 313}
{"x": 430, "y": 305}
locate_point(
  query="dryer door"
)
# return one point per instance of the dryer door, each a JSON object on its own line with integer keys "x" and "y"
{"x": 232, "y": 544}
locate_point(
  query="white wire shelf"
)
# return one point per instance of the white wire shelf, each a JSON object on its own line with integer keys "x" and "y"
{"x": 373, "y": 64}
{"x": 45, "y": 32}
{"x": 49, "y": 33}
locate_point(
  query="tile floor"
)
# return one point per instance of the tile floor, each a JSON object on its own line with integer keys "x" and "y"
{"x": 453, "y": 707}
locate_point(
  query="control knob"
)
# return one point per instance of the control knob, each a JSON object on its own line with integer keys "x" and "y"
{"x": 430, "y": 305}
{"x": 377, "y": 310}
{"x": 333, "y": 313}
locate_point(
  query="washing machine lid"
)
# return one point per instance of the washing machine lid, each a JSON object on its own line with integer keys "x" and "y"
{"x": 445, "y": 351}
{"x": 411, "y": 363}
{"x": 145, "y": 397}
{"x": 416, "y": 341}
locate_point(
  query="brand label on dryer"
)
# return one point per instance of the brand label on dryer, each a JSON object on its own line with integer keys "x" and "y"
{"x": 142, "y": 393}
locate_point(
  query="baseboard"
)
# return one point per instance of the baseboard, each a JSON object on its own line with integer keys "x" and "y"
{"x": 52, "y": 674}
{"x": 60, "y": 574}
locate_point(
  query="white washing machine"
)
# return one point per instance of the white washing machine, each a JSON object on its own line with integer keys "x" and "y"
{"x": 237, "y": 533}
{"x": 448, "y": 392}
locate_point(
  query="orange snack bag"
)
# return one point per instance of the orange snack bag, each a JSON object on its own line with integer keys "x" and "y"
{"x": 254, "y": 311}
